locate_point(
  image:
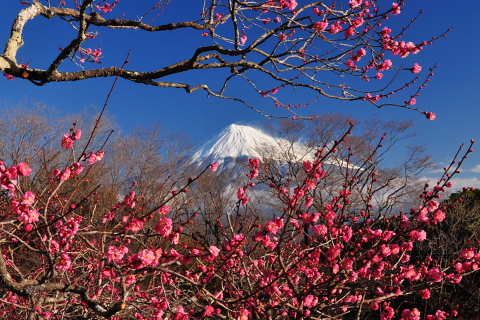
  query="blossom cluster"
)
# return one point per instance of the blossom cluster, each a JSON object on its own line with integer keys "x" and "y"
{"x": 305, "y": 261}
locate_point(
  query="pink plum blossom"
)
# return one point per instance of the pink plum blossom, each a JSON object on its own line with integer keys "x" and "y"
{"x": 27, "y": 199}
{"x": 164, "y": 227}
{"x": 355, "y": 3}
{"x": 254, "y": 173}
{"x": 438, "y": 216}
{"x": 290, "y": 4}
{"x": 244, "y": 313}
{"x": 254, "y": 163}
{"x": 416, "y": 68}
{"x": 320, "y": 25}
{"x": 29, "y": 216}
{"x": 214, "y": 251}
{"x": 115, "y": 254}
{"x": 308, "y": 202}
{"x": 147, "y": 258}
{"x": 64, "y": 263}
{"x": 273, "y": 226}
{"x": 468, "y": 254}
{"x": 336, "y": 28}
{"x": 243, "y": 39}
{"x": 129, "y": 199}
{"x": 350, "y": 64}
{"x": 418, "y": 235}
{"x": 77, "y": 135}
{"x": 411, "y": 315}
{"x": 105, "y": 8}
{"x": 209, "y": 310}
{"x": 307, "y": 165}
{"x": 67, "y": 141}
{"x": 310, "y": 184}
{"x": 435, "y": 275}
{"x": 240, "y": 193}
{"x": 214, "y": 167}
{"x": 181, "y": 314}
{"x": 425, "y": 294}
{"x": 94, "y": 157}
{"x": 357, "y": 22}
{"x": 430, "y": 115}
{"x": 349, "y": 32}
{"x": 65, "y": 174}
{"x": 77, "y": 168}
{"x": 310, "y": 301}
{"x": 396, "y": 8}
{"x": 164, "y": 210}
{"x": 385, "y": 65}
{"x": 135, "y": 225}
{"x": 440, "y": 315}
{"x": 23, "y": 169}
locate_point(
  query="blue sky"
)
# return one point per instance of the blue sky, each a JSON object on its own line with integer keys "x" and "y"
{"x": 452, "y": 94}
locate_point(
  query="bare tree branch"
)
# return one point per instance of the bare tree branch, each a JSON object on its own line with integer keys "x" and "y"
{"x": 314, "y": 46}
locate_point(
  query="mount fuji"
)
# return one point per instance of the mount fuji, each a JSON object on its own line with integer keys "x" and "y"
{"x": 236, "y": 143}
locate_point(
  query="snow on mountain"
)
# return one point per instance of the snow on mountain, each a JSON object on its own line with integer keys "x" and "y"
{"x": 243, "y": 142}
{"x": 232, "y": 147}
{"x": 232, "y": 142}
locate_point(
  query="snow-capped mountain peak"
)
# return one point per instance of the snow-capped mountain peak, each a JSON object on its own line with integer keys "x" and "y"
{"x": 232, "y": 142}
{"x": 243, "y": 142}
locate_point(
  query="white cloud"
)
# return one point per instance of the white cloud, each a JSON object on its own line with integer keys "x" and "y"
{"x": 459, "y": 183}
{"x": 435, "y": 171}
{"x": 444, "y": 164}
{"x": 475, "y": 169}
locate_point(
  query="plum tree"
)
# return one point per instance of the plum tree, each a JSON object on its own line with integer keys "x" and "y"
{"x": 269, "y": 45}
{"x": 70, "y": 252}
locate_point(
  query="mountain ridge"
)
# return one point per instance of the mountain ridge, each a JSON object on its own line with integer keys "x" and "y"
{"x": 240, "y": 142}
